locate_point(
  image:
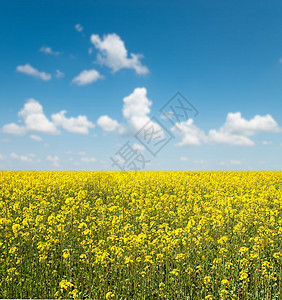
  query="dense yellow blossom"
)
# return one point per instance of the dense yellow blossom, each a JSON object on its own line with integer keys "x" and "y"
{"x": 141, "y": 235}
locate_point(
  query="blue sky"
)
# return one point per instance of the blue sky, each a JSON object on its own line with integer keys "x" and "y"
{"x": 79, "y": 79}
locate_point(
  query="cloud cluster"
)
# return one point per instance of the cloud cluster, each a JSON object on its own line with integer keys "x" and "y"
{"x": 113, "y": 54}
{"x": 136, "y": 109}
{"x": 79, "y": 124}
{"x": 235, "y": 131}
{"x": 190, "y": 134}
{"x": 35, "y": 120}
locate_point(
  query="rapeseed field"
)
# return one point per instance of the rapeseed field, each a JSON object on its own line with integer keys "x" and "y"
{"x": 141, "y": 235}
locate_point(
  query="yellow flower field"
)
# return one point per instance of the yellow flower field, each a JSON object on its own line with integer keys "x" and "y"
{"x": 144, "y": 235}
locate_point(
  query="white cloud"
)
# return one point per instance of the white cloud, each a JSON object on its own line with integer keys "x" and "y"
{"x": 88, "y": 159}
{"x": 23, "y": 158}
{"x": 138, "y": 147}
{"x": 2, "y": 157}
{"x": 190, "y": 134}
{"x": 136, "y": 105}
{"x": 107, "y": 124}
{"x": 135, "y": 110}
{"x": 13, "y": 129}
{"x": 29, "y": 70}
{"x": 184, "y": 158}
{"x": 220, "y": 137}
{"x": 35, "y": 137}
{"x": 235, "y": 124}
{"x": 112, "y": 53}
{"x": 78, "y": 28}
{"x": 87, "y": 77}
{"x": 35, "y": 119}
{"x": 79, "y": 124}
{"x": 48, "y": 50}
{"x": 235, "y": 131}
{"x": 59, "y": 74}
{"x": 54, "y": 160}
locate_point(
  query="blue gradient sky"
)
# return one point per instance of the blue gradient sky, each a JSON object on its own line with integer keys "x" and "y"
{"x": 224, "y": 56}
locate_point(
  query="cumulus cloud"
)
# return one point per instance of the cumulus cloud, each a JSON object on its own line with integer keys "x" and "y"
{"x": 87, "y": 77}
{"x": 235, "y": 124}
{"x": 184, "y": 158}
{"x": 78, "y": 27}
{"x": 136, "y": 108}
{"x": 79, "y": 124}
{"x": 113, "y": 54}
{"x": 48, "y": 50}
{"x": 235, "y": 131}
{"x": 190, "y": 134}
{"x": 107, "y": 124}
{"x": 29, "y": 70}
{"x": 219, "y": 137}
{"x": 13, "y": 129}
{"x": 35, "y": 120}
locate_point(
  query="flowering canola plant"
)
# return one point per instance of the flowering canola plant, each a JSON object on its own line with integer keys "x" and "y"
{"x": 141, "y": 235}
